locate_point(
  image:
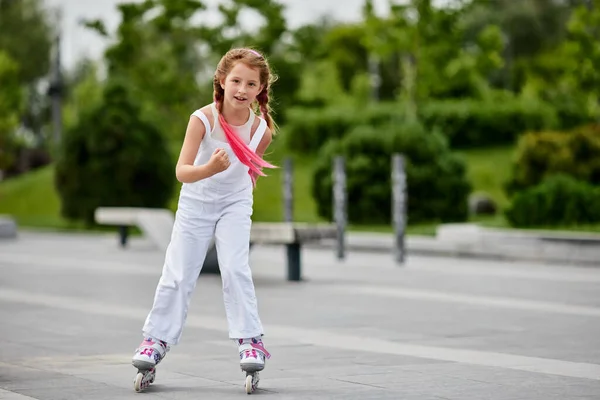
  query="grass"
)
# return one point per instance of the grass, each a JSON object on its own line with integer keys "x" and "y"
{"x": 32, "y": 200}
{"x": 488, "y": 170}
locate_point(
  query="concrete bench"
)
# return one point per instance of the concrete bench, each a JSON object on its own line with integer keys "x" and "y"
{"x": 157, "y": 225}
{"x": 8, "y": 227}
{"x": 293, "y": 235}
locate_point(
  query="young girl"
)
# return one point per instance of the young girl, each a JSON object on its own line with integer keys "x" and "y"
{"x": 218, "y": 165}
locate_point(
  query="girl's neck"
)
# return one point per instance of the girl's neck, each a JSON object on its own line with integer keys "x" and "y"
{"x": 235, "y": 117}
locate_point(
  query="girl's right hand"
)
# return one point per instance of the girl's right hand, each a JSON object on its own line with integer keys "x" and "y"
{"x": 219, "y": 161}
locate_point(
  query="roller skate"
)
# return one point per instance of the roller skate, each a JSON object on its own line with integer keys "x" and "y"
{"x": 252, "y": 361}
{"x": 146, "y": 358}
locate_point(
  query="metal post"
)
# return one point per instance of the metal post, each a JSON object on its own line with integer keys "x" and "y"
{"x": 339, "y": 203}
{"x": 123, "y": 235}
{"x": 55, "y": 92}
{"x": 293, "y": 249}
{"x": 293, "y": 254}
{"x": 399, "y": 206}
{"x": 288, "y": 190}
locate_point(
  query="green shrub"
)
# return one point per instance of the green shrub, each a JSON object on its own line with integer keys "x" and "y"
{"x": 308, "y": 129}
{"x": 541, "y": 154}
{"x": 436, "y": 178}
{"x": 559, "y": 200}
{"x": 113, "y": 158}
{"x": 466, "y": 123}
{"x": 476, "y": 123}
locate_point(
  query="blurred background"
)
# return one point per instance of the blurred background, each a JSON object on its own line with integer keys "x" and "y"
{"x": 493, "y": 103}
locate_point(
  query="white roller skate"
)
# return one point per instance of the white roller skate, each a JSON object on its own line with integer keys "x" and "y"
{"x": 252, "y": 360}
{"x": 148, "y": 355}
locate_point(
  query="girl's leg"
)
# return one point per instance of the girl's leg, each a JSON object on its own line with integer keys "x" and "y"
{"x": 192, "y": 232}
{"x": 232, "y": 238}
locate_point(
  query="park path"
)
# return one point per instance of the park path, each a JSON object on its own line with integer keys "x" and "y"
{"x": 72, "y": 305}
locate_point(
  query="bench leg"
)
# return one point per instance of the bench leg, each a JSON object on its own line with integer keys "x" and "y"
{"x": 293, "y": 259}
{"x": 123, "y": 234}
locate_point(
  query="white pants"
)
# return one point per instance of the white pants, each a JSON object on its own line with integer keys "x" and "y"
{"x": 198, "y": 219}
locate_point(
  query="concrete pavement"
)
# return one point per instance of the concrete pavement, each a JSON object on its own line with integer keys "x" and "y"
{"x": 72, "y": 307}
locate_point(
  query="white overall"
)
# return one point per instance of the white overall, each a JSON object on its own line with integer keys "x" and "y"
{"x": 219, "y": 207}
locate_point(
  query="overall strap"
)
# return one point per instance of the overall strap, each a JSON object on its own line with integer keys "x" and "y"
{"x": 215, "y": 113}
{"x": 258, "y": 135}
{"x": 204, "y": 119}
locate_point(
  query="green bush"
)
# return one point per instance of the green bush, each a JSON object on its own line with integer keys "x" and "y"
{"x": 559, "y": 200}
{"x": 113, "y": 158}
{"x": 466, "y": 123}
{"x": 541, "y": 154}
{"x": 436, "y": 178}
{"x": 308, "y": 129}
{"x": 476, "y": 123}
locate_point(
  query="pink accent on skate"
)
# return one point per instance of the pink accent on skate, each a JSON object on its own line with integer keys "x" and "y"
{"x": 147, "y": 351}
{"x": 261, "y": 348}
{"x": 244, "y": 153}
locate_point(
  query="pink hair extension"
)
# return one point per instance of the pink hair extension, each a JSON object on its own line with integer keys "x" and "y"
{"x": 244, "y": 153}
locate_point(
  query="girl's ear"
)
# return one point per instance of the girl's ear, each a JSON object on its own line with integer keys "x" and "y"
{"x": 222, "y": 82}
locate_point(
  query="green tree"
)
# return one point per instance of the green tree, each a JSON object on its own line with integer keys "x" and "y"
{"x": 158, "y": 56}
{"x": 568, "y": 75}
{"x": 113, "y": 157}
{"x": 26, "y": 35}
{"x": 11, "y": 100}
{"x": 582, "y": 48}
{"x": 84, "y": 94}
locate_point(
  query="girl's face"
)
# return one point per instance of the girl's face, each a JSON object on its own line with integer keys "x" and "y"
{"x": 241, "y": 86}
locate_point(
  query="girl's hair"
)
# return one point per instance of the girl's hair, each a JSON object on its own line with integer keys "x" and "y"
{"x": 252, "y": 59}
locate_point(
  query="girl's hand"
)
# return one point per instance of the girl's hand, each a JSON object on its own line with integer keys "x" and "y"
{"x": 219, "y": 161}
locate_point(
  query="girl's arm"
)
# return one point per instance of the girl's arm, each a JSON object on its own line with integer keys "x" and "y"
{"x": 186, "y": 171}
{"x": 263, "y": 145}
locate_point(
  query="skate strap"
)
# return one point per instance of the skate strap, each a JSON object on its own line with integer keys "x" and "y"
{"x": 261, "y": 348}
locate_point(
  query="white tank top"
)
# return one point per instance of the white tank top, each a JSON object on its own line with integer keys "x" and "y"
{"x": 236, "y": 177}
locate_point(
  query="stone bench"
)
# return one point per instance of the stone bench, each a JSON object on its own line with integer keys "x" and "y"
{"x": 293, "y": 235}
{"x": 157, "y": 224}
{"x": 8, "y": 227}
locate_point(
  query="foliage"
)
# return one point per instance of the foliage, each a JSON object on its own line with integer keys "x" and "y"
{"x": 540, "y": 154}
{"x": 558, "y": 200}
{"x": 11, "y": 100}
{"x": 309, "y": 128}
{"x": 436, "y": 181}
{"x": 158, "y": 57}
{"x": 473, "y": 123}
{"x": 26, "y": 36}
{"x": 466, "y": 123}
{"x": 112, "y": 157}
{"x": 85, "y": 94}
{"x": 568, "y": 75}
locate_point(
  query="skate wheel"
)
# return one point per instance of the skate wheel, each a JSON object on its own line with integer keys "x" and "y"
{"x": 137, "y": 383}
{"x": 249, "y": 385}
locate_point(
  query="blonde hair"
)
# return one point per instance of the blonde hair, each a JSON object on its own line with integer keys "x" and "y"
{"x": 252, "y": 59}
